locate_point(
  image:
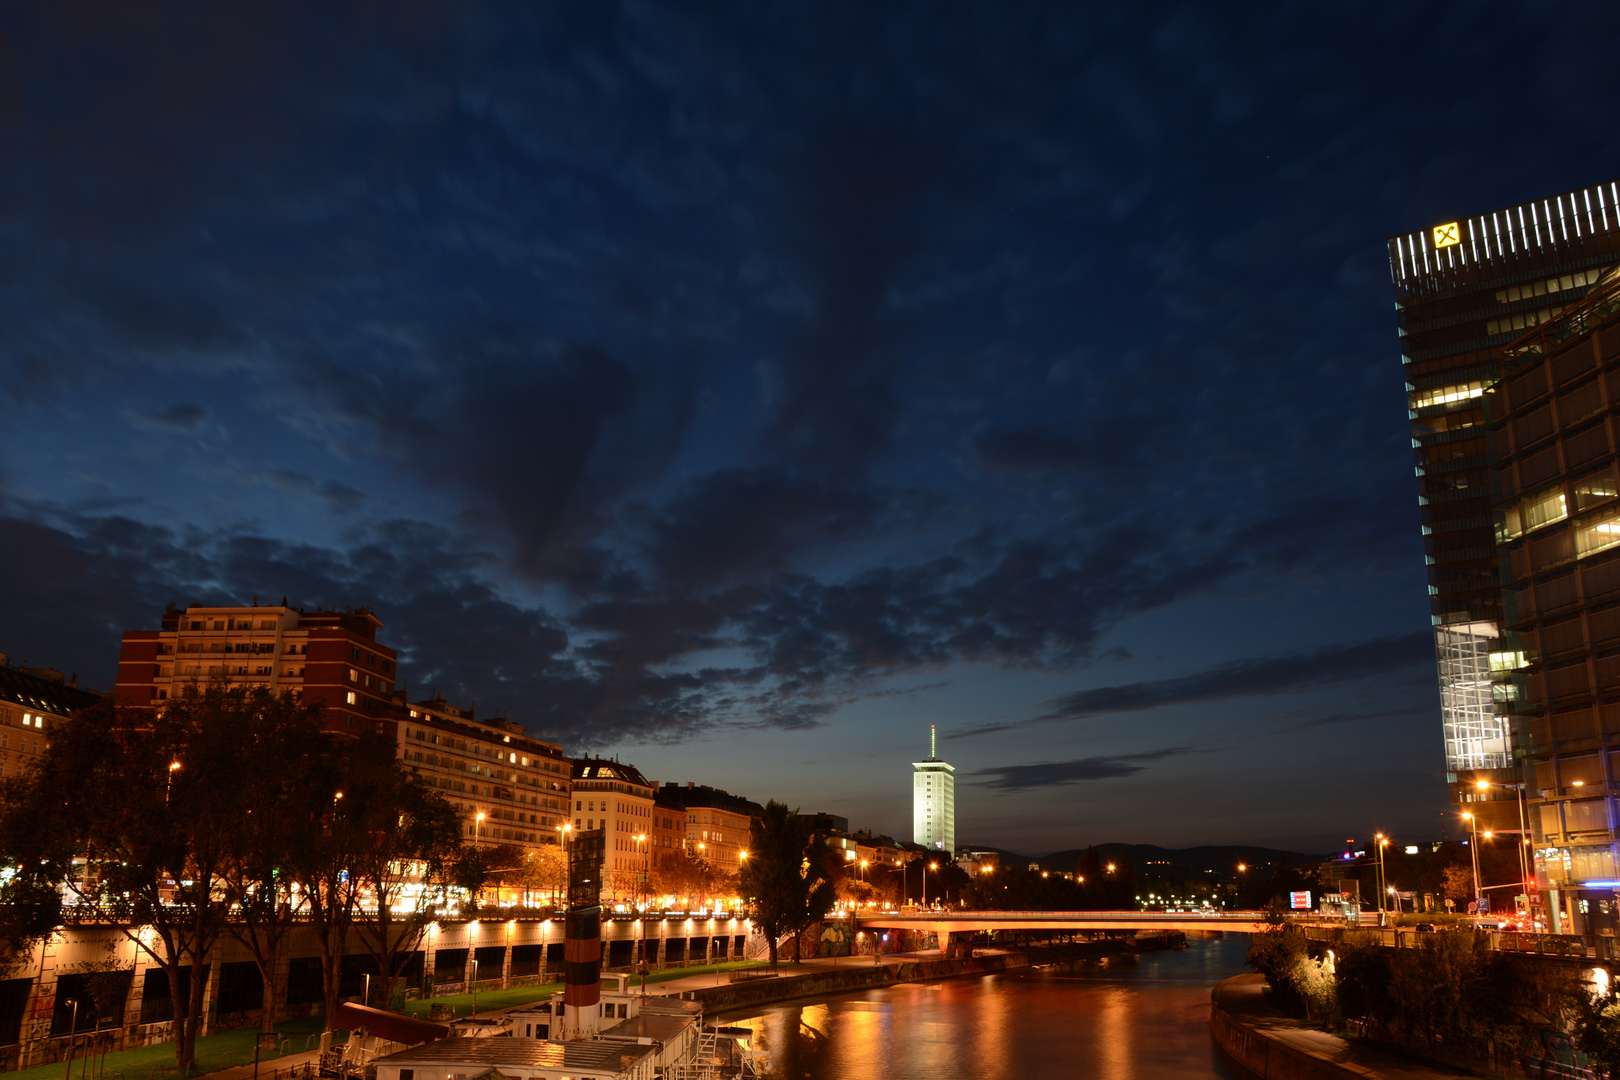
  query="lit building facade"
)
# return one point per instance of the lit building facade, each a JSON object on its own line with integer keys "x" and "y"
{"x": 1510, "y": 457}
{"x": 33, "y": 703}
{"x": 331, "y": 658}
{"x": 717, "y": 823}
{"x": 511, "y": 789}
{"x": 933, "y": 801}
{"x": 1558, "y": 518}
{"x": 617, "y": 799}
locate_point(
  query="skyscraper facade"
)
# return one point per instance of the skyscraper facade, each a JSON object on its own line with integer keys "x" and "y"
{"x": 933, "y": 801}
{"x": 1506, "y": 448}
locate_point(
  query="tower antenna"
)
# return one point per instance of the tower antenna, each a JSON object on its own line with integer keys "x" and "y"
{"x": 933, "y": 749}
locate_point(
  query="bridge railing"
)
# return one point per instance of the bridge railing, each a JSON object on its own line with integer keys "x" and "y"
{"x": 1602, "y": 948}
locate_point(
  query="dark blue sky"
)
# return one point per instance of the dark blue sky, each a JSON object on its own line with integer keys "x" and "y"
{"x": 741, "y": 392}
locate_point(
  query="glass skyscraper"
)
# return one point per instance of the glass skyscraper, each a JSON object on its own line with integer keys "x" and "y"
{"x": 1501, "y": 471}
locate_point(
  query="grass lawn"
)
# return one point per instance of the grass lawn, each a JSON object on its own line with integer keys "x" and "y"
{"x": 462, "y": 1004}
{"x": 221, "y": 1051}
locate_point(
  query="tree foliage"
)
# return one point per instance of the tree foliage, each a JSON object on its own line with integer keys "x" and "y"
{"x": 197, "y": 818}
{"x": 1450, "y": 990}
{"x": 789, "y": 880}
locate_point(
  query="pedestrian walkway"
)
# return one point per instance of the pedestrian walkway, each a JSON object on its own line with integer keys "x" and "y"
{"x": 266, "y": 1070}
{"x": 1243, "y": 999}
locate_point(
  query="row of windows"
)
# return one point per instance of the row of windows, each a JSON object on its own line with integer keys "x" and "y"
{"x": 1552, "y": 504}
{"x": 371, "y": 659}
{"x": 29, "y": 719}
{"x": 1446, "y": 395}
{"x": 512, "y": 757}
{"x": 1523, "y": 321}
{"x": 232, "y": 624}
{"x": 1551, "y": 285}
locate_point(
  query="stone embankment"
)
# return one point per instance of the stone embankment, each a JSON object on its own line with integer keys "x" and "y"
{"x": 1273, "y": 1046}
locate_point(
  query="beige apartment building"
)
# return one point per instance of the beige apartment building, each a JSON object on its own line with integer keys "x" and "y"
{"x": 33, "y": 702}
{"x": 717, "y": 823}
{"x": 510, "y": 788}
{"x": 617, "y": 799}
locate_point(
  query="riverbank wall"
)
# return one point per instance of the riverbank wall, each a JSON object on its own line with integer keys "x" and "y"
{"x": 826, "y": 982}
{"x": 1256, "y": 1040}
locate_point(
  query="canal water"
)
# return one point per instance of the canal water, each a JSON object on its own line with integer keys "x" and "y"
{"x": 1140, "y": 1017}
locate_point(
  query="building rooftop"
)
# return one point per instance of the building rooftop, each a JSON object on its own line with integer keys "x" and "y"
{"x": 658, "y": 1027}
{"x": 603, "y": 769}
{"x": 512, "y": 1055}
{"x": 43, "y": 690}
{"x": 701, "y": 795}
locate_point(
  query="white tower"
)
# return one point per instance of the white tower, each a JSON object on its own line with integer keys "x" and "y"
{"x": 933, "y": 801}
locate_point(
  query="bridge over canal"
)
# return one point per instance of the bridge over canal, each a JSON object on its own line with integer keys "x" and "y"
{"x": 949, "y": 923}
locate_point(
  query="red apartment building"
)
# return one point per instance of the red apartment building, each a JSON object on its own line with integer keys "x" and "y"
{"x": 326, "y": 657}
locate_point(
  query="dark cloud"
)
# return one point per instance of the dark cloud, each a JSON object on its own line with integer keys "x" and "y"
{"x": 184, "y": 419}
{"x": 735, "y": 524}
{"x": 1030, "y": 448}
{"x": 1253, "y": 677}
{"x": 853, "y": 221}
{"x": 337, "y": 496}
{"x": 1062, "y": 773}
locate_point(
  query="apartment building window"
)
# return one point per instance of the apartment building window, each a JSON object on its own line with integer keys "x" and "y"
{"x": 349, "y": 697}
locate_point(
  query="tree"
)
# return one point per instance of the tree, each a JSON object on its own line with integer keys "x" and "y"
{"x": 788, "y": 880}
{"x": 149, "y": 800}
{"x": 282, "y": 819}
{"x": 380, "y": 838}
{"x": 1459, "y": 883}
{"x": 687, "y": 876}
{"x": 506, "y": 867}
{"x": 544, "y": 871}
{"x": 404, "y": 837}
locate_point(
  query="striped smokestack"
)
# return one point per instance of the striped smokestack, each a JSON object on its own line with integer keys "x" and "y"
{"x": 582, "y": 941}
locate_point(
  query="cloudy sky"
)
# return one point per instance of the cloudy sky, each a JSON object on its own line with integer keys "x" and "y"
{"x": 741, "y": 390}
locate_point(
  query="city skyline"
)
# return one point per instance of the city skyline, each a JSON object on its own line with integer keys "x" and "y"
{"x": 743, "y": 390}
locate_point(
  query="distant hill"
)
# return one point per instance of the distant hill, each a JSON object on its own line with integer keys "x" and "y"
{"x": 1218, "y": 863}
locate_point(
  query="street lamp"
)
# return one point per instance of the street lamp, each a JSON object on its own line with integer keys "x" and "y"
{"x": 478, "y": 827}
{"x": 641, "y": 889}
{"x": 568, "y": 870}
{"x": 1380, "y": 840}
{"x": 926, "y": 868}
{"x": 1473, "y": 825}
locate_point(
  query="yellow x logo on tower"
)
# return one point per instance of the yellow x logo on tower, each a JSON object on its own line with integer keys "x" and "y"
{"x": 1447, "y": 235}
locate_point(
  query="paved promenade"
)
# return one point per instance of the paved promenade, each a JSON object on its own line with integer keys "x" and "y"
{"x": 1316, "y": 1053}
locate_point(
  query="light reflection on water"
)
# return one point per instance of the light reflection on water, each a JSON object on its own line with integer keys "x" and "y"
{"x": 1142, "y": 1018}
